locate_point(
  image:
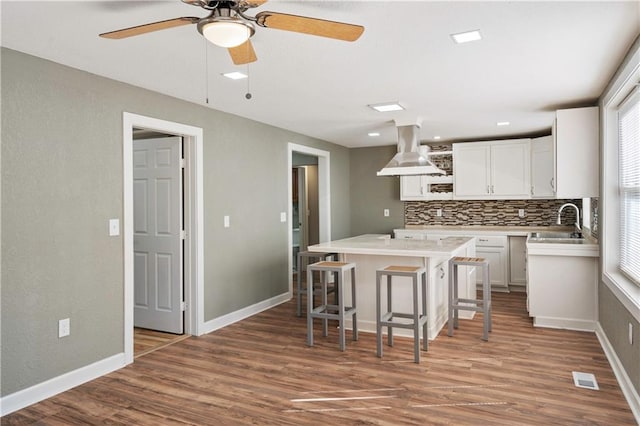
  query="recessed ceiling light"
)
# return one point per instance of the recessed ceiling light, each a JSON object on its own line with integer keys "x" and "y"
{"x": 373, "y": 134}
{"x": 466, "y": 36}
{"x": 436, "y": 137}
{"x": 387, "y": 106}
{"x": 502, "y": 123}
{"x": 235, "y": 75}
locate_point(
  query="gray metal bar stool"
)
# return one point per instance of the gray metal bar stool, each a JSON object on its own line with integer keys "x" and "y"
{"x": 304, "y": 259}
{"x": 483, "y": 305}
{"x": 386, "y": 319}
{"x": 325, "y": 311}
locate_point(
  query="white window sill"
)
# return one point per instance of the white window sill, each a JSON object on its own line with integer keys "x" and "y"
{"x": 625, "y": 290}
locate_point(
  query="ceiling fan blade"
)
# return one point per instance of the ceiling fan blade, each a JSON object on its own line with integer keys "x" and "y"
{"x": 306, "y": 25}
{"x": 252, "y": 3}
{"x": 243, "y": 54}
{"x": 147, "y": 28}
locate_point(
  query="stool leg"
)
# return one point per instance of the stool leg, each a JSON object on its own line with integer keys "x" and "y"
{"x": 309, "y": 307}
{"x": 378, "y": 315}
{"x": 299, "y": 286}
{"x": 354, "y": 327}
{"x": 425, "y": 326}
{"x": 450, "y": 317}
{"x": 416, "y": 322}
{"x": 456, "y": 300}
{"x": 486, "y": 297}
{"x": 389, "y": 309}
{"x": 323, "y": 301}
{"x": 341, "y": 312}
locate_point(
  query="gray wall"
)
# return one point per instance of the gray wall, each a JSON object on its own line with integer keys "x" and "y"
{"x": 62, "y": 181}
{"x": 371, "y": 194}
{"x": 615, "y": 319}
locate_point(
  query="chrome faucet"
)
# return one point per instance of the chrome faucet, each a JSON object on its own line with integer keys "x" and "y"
{"x": 559, "y": 222}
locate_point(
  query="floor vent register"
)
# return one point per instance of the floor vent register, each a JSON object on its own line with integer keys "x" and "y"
{"x": 585, "y": 380}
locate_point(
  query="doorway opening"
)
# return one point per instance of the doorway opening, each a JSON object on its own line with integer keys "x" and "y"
{"x": 192, "y": 207}
{"x": 309, "y": 200}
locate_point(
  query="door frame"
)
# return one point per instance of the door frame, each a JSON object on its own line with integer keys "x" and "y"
{"x": 193, "y": 221}
{"x": 324, "y": 198}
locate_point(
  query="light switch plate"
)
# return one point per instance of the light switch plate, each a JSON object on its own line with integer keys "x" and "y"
{"x": 283, "y": 216}
{"x": 64, "y": 327}
{"x": 226, "y": 222}
{"x": 114, "y": 227}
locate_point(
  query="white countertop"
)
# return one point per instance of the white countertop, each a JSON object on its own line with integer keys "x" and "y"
{"x": 381, "y": 244}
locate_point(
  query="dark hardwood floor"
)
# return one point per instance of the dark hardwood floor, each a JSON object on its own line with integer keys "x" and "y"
{"x": 259, "y": 371}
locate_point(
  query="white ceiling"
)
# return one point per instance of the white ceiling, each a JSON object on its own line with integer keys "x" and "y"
{"x": 535, "y": 57}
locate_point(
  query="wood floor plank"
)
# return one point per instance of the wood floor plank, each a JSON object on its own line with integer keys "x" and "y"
{"x": 260, "y": 371}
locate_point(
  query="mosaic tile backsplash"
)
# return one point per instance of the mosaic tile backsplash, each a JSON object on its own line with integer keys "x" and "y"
{"x": 489, "y": 212}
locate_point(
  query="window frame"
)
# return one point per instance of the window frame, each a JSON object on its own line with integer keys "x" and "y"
{"x": 623, "y": 83}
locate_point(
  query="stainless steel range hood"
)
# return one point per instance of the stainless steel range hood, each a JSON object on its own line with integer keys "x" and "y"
{"x": 409, "y": 161}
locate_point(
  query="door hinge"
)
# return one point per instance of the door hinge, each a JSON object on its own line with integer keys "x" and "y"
{"x": 182, "y": 163}
{"x": 183, "y": 306}
{"x": 183, "y": 235}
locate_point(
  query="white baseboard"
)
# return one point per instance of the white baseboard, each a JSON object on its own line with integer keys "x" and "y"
{"x": 51, "y": 387}
{"x": 232, "y": 317}
{"x": 564, "y": 323}
{"x": 625, "y": 383}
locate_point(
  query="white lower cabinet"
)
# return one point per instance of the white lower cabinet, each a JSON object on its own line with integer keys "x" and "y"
{"x": 518, "y": 263}
{"x": 494, "y": 249}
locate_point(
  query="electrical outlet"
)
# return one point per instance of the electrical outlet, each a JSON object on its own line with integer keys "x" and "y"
{"x": 114, "y": 227}
{"x": 630, "y": 334}
{"x": 520, "y": 212}
{"x": 226, "y": 221}
{"x": 386, "y": 212}
{"x": 439, "y": 212}
{"x": 64, "y": 327}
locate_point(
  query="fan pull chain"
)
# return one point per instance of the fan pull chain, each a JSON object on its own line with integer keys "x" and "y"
{"x": 206, "y": 70}
{"x": 248, "y": 95}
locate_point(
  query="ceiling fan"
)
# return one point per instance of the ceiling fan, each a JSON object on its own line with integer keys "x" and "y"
{"x": 228, "y": 26}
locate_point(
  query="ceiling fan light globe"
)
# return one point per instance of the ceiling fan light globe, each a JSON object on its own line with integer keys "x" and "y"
{"x": 228, "y": 33}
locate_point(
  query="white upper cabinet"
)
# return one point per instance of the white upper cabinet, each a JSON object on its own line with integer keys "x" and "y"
{"x": 543, "y": 171}
{"x": 412, "y": 188}
{"x": 492, "y": 170}
{"x": 576, "y": 139}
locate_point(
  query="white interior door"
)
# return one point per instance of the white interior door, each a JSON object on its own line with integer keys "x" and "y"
{"x": 157, "y": 240}
{"x": 303, "y": 208}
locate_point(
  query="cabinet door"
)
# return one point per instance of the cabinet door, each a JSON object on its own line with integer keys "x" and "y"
{"x": 412, "y": 188}
{"x": 497, "y": 266}
{"x": 577, "y": 152}
{"x": 471, "y": 170}
{"x": 517, "y": 261}
{"x": 510, "y": 175}
{"x": 543, "y": 168}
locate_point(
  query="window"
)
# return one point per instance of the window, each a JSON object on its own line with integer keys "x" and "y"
{"x": 629, "y": 185}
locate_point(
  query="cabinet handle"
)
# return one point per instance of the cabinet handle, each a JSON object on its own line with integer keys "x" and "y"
{"x": 488, "y": 192}
{"x": 531, "y": 189}
{"x": 442, "y": 273}
{"x": 492, "y": 189}
{"x": 552, "y": 184}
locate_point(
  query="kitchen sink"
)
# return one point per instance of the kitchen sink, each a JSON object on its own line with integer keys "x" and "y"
{"x": 557, "y": 237}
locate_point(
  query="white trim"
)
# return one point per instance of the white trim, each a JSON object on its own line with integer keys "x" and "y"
{"x": 564, "y": 323}
{"x": 194, "y": 264}
{"x": 239, "y": 315}
{"x": 324, "y": 198}
{"x": 624, "y": 381}
{"x": 59, "y": 384}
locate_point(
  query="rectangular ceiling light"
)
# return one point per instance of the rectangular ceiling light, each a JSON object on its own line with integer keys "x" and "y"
{"x": 235, "y": 75}
{"x": 466, "y": 36}
{"x": 387, "y": 106}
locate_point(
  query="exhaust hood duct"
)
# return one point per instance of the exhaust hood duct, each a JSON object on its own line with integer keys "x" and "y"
{"x": 409, "y": 161}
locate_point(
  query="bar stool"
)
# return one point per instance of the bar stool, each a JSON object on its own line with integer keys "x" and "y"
{"x": 483, "y": 305}
{"x": 386, "y": 319}
{"x": 325, "y": 311}
{"x": 301, "y": 264}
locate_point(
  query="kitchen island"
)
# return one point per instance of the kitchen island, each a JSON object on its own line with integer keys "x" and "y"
{"x": 371, "y": 252}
